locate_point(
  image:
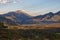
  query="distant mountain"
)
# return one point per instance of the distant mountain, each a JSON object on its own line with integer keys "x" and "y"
{"x": 48, "y": 18}
{"x": 7, "y": 21}
{"x": 56, "y": 17}
{"x": 19, "y": 17}
{"x": 48, "y": 15}
{"x": 58, "y": 13}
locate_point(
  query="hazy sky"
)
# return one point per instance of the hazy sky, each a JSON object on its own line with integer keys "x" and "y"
{"x": 33, "y": 7}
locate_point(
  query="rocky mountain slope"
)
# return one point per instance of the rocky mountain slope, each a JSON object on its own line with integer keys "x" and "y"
{"x": 20, "y": 17}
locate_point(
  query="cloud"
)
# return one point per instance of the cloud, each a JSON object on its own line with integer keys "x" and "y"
{"x": 7, "y": 1}
{"x": 3, "y": 1}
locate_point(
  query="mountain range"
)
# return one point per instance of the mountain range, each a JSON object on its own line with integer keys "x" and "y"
{"x": 20, "y": 17}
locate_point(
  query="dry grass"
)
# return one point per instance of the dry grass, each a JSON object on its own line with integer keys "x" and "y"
{"x": 36, "y": 26}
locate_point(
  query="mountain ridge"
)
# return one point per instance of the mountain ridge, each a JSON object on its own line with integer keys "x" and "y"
{"x": 20, "y": 17}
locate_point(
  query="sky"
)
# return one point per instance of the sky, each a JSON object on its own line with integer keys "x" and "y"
{"x": 32, "y": 7}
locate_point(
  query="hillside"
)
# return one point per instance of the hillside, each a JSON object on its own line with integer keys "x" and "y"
{"x": 20, "y": 17}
